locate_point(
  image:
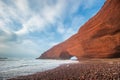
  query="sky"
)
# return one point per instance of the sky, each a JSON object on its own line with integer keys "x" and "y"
{"x": 30, "y": 27}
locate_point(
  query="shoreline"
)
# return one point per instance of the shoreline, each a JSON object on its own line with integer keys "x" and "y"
{"x": 101, "y": 69}
{"x": 22, "y": 67}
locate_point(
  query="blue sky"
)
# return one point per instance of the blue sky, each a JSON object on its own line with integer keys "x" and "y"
{"x": 30, "y": 27}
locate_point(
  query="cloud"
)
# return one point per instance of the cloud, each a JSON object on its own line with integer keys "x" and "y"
{"x": 78, "y": 21}
{"x": 46, "y": 16}
{"x": 22, "y": 5}
{"x": 89, "y": 4}
{"x": 61, "y": 28}
{"x": 20, "y": 49}
{"x": 30, "y": 27}
{"x": 34, "y": 23}
{"x": 7, "y": 36}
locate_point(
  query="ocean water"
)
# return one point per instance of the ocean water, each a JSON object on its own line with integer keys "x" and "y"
{"x": 10, "y": 68}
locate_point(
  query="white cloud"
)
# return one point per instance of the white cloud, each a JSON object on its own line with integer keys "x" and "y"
{"x": 1, "y": 24}
{"x": 68, "y": 33}
{"x": 26, "y": 48}
{"x": 34, "y": 23}
{"x": 6, "y": 35}
{"x": 60, "y": 28}
{"x": 43, "y": 16}
{"x": 74, "y": 5}
{"x": 89, "y": 3}
{"x": 78, "y": 21}
{"x": 22, "y": 5}
{"x": 67, "y": 30}
{"x": 50, "y": 13}
{"x": 23, "y": 47}
{"x": 46, "y": 16}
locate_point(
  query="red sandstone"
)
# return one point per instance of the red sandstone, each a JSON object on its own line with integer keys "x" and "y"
{"x": 98, "y": 38}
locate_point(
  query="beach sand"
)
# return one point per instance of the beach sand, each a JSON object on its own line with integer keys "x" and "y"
{"x": 103, "y": 69}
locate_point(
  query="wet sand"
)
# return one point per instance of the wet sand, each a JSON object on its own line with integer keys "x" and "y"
{"x": 103, "y": 69}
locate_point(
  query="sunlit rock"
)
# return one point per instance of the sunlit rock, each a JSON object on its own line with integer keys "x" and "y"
{"x": 97, "y": 38}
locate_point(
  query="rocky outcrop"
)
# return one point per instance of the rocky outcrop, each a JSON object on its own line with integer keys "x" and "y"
{"x": 98, "y": 38}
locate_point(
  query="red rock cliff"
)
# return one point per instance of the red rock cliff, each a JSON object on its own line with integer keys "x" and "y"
{"x": 98, "y": 38}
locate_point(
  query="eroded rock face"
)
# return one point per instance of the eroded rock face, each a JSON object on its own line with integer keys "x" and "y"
{"x": 98, "y": 38}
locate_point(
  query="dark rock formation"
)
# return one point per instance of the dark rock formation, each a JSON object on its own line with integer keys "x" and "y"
{"x": 98, "y": 38}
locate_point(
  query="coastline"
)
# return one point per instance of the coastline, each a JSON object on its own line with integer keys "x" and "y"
{"x": 95, "y": 69}
{"x": 11, "y": 68}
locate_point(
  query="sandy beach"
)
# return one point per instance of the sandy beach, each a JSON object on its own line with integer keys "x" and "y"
{"x": 108, "y": 69}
